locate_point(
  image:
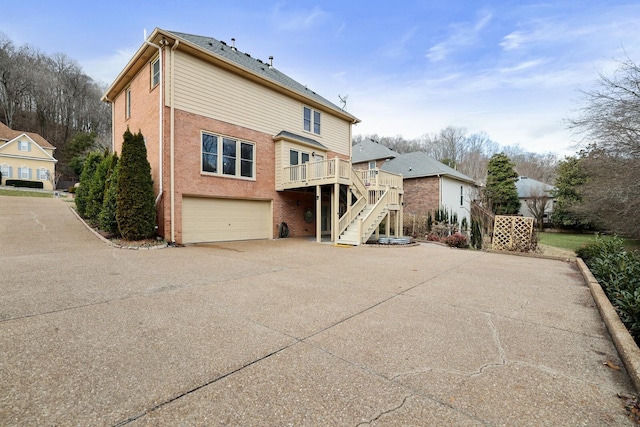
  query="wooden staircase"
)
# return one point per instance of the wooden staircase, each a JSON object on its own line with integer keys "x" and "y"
{"x": 372, "y": 204}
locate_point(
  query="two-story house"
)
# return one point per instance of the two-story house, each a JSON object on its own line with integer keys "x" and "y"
{"x": 241, "y": 151}
{"x": 26, "y": 156}
{"x": 428, "y": 184}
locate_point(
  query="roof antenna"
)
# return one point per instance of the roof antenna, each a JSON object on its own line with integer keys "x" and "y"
{"x": 343, "y": 101}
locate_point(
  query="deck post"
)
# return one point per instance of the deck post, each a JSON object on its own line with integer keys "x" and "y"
{"x": 318, "y": 214}
{"x": 335, "y": 206}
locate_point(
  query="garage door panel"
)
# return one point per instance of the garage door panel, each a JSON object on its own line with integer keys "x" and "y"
{"x": 219, "y": 220}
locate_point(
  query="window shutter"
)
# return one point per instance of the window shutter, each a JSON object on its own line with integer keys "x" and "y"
{"x": 30, "y": 173}
{"x": 29, "y": 149}
{"x": 10, "y": 172}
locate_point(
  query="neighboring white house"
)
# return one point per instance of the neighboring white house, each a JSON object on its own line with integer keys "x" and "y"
{"x": 530, "y": 189}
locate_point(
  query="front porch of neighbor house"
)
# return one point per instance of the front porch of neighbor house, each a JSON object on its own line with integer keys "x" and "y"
{"x": 351, "y": 203}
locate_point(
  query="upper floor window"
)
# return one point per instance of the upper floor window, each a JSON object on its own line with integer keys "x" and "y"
{"x": 227, "y": 156}
{"x": 311, "y": 120}
{"x": 127, "y": 103}
{"x": 372, "y": 165}
{"x": 24, "y": 146}
{"x": 461, "y": 195}
{"x": 155, "y": 72}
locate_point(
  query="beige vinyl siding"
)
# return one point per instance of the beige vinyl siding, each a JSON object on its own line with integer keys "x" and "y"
{"x": 203, "y": 89}
{"x": 220, "y": 220}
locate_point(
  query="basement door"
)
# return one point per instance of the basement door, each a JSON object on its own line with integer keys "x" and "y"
{"x": 222, "y": 220}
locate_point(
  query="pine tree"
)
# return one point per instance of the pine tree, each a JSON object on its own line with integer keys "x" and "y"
{"x": 107, "y": 219}
{"x": 97, "y": 186}
{"x": 82, "y": 193}
{"x": 135, "y": 210}
{"x": 501, "y": 190}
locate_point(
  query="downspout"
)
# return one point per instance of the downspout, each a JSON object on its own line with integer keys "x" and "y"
{"x": 172, "y": 138}
{"x": 161, "y": 116}
{"x": 440, "y": 195}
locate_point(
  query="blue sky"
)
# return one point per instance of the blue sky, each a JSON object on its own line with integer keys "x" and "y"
{"x": 509, "y": 68}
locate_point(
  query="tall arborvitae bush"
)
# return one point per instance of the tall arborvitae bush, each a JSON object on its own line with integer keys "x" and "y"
{"x": 82, "y": 193}
{"x": 97, "y": 186}
{"x": 107, "y": 218}
{"x": 500, "y": 189}
{"x": 135, "y": 210}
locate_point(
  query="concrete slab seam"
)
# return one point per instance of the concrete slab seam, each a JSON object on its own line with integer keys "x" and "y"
{"x": 627, "y": 348}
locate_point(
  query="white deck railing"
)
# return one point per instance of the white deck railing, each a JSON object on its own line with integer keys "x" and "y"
{"x": 320, "y": 171}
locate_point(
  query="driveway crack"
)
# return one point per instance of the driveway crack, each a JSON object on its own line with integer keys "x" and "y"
{"x": 389, "y": 411}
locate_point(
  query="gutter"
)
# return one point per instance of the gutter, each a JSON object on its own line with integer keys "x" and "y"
{"x": 172, "y": 138}
{"x": 161, "y": 115}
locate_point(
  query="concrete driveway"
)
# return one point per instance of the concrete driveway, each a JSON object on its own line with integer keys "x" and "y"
{"x": 291, "y": 332}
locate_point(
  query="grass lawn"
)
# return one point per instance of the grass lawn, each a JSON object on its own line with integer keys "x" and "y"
{"x": 574, "y": 241}
{"x": 20, "y": 193}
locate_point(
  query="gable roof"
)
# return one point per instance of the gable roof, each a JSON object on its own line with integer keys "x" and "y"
{"x": 228, "y": 56}
{"x": 369, "y": 150}
{"x": 528, "y": 187}
{"x": 418, "y": 164}
{"x": 7, "y": 134}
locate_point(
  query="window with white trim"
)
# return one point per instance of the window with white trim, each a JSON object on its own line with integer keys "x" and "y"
{"x": 5, "y": 169}
{"x": 43, "y": 174}
{"x": 127, "y": 103}
{"x": 311, "y": 120}
{"x": 372, "y": 165}
{"x": 226, "y": 156}
{"x": 24, "y": 172}
{"x": 155, "y": 72}
{"x": 461, "y": 195}
{"x": 24, "y": 146}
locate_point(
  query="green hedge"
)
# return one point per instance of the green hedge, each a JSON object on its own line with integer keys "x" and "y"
{"x": 24, "y": 184}
{"x": 618, "y": 272}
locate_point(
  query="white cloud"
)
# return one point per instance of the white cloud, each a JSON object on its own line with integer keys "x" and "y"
{"x": 106, "y": 69}
{"x": 296, "y": 20}
{"x": 462, "y": 35}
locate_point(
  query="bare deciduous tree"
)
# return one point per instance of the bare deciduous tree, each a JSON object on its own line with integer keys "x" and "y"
{"x": 609, "y": 122}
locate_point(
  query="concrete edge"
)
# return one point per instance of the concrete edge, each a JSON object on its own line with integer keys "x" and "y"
{"x": 531, "y": 255}
{"x": 109, "y": 242}
{"x": 627, "y": 348}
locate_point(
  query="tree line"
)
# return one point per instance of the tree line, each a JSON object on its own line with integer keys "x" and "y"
{"x": 599, "y": 187}
{"x": 52, "y": 96}
{"x": 470, "y": 153}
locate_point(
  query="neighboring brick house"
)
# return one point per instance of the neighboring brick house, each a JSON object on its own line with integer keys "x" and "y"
{"x": 236, "y": 147}
{"x": 26, "y": 156}
{"x": 428, "y": 184}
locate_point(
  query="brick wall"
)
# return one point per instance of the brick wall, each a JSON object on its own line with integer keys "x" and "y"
{"x": 421, "y": 195}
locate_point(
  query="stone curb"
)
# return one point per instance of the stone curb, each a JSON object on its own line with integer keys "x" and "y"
{"x": 627, "y": 349}
{"x": 109, "y": 242}
{"x": 532, "y": 255}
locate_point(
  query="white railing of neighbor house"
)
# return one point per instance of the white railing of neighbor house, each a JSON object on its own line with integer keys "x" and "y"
{"x": 380, "y": 178}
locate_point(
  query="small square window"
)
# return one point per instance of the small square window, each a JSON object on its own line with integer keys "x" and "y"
{"x": 23, "y": 146}
{"x": 372, "y": 165}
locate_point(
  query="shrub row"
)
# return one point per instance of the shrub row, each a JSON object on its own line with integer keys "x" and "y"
{"x": 24, "y": 184}
{"x": 116, "y": 195}
{"x": 618, "y": 271}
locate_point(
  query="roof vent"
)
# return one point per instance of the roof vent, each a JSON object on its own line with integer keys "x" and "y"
{"x": 233, "y": 44}
{"x": 271, "y": 62}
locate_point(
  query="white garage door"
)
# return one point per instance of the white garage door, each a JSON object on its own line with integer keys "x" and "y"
{"x": 220, "y": 220}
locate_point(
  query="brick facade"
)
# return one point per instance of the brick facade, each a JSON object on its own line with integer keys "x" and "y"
{"x": 421, "y": 195}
